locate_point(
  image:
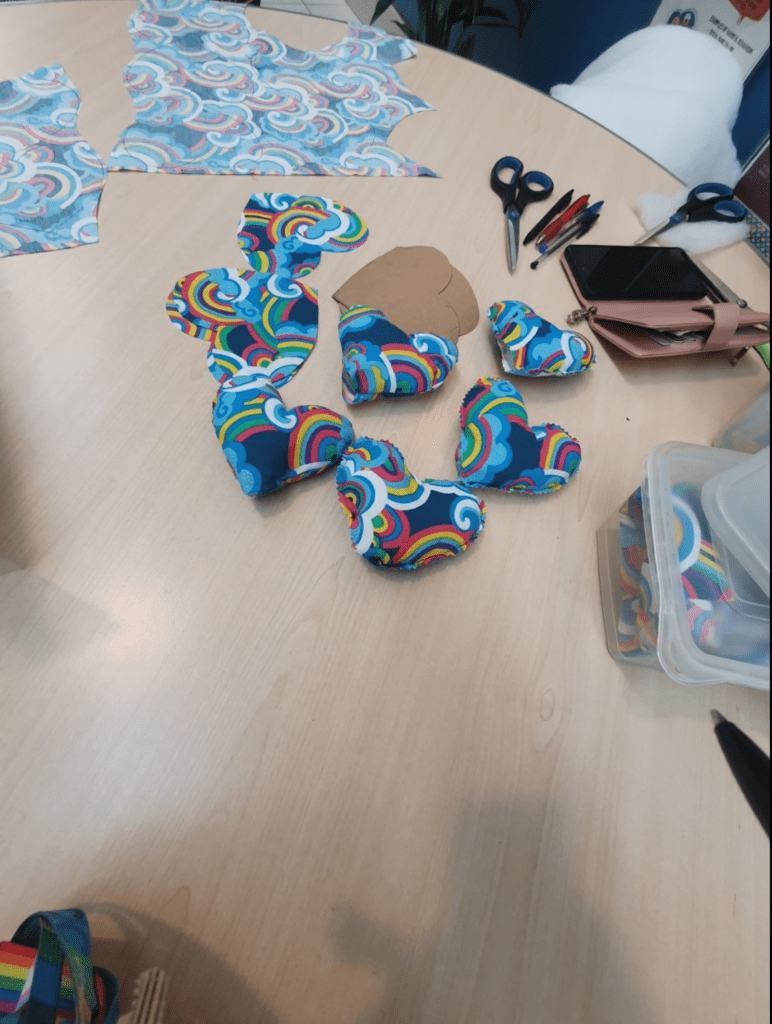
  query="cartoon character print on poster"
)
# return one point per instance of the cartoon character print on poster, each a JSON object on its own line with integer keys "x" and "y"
{"x": 51, "y": 179}
{"x": 266, "y": 319}
{"x": 213, "y": 95}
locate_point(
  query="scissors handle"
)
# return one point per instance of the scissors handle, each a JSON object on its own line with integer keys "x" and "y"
{"x": 706, "y": 192}
{"x": 506, "y": 185}
{"x": 534, "y": 186}
{"x": 727, "y": 210}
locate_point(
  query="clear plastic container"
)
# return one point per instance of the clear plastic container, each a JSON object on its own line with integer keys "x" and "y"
{"x": 668, "y": 600}
{"x": 749, "y": 433}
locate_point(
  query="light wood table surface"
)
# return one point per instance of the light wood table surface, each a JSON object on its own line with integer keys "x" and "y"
{"x": 310, "y": 790}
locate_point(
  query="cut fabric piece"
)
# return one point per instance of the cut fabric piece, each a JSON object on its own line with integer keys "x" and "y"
{"x": 269, "y": 446}
{"x": 712, "y": 609}
{"x": 533, "y": 347}
{"x": 381, "y": 361}
{"x": 266, "y": 318}
{"x": 214, "y": 95}
{"x": 416, "y": 289}
{"x": 51, "y": 179}
{"x": 498, "y": 448}
{"x": 397, "y": 521}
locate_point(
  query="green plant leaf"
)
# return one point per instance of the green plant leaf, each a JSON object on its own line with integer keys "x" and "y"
{"x": 408, "y": 31}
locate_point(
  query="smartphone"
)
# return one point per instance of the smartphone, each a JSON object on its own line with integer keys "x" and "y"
{"x": 634, "y": 272}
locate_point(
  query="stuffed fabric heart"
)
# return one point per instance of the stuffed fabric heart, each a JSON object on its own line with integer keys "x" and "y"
{"x": 532, "y": 347}
{"x": 266, "y": 318}
{"x": 396, "y": 520}
{"x": 380, "y": 360}
{"x": 270, "y": 446}
{"x": 498, "y": 449}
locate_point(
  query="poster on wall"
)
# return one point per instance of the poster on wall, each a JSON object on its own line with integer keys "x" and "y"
{"x": 742, "y": 26}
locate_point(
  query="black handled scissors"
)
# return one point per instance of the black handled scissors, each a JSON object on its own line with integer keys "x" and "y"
{"x": 710, "y": 201}
{"x": 516, "y": 190}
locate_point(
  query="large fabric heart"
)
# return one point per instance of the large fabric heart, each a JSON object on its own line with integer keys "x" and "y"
{"x": 270, "y": 446}
{"x": 533, "y": 347}
{"x": 266, "y": 318}
{"x": 498, "y": 449}
{"x": 381, "y": 361}
{"x": 396, "y": 520}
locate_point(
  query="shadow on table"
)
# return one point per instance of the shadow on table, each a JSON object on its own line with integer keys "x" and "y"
{"x": 525, "y": 943}
{"x": 219, "y": 996}
{"x": 517, "y": 941}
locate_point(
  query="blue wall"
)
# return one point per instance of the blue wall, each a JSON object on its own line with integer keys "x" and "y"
{"x": 562, "y": 37}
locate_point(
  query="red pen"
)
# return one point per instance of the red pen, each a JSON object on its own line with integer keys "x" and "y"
{"x": 560, "y": 222}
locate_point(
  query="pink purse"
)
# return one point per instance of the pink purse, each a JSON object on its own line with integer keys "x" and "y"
{"x": 653, "y": 328}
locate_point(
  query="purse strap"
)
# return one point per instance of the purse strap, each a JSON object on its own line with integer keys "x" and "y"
{"x": 59, "y": 936}
{"x": 726, "y": 320}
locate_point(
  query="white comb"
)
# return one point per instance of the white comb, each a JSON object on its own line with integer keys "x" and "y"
{"x": 149, "y": 999}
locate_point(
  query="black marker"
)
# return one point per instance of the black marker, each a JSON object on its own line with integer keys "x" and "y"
{"x": 559, "y": 206}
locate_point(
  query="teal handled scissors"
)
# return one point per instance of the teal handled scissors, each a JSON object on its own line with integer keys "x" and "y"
{"x": 710, "y": 201}
{"x": 516, "y": 190}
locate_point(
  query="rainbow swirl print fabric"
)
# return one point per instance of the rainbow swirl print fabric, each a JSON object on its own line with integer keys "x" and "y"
{"x": 269, "y": 446}
{"x": 711, "y": 608}
{"x": 498, "y": 449}
{"x": 381, "y": 361}
{"x": 213, "y": 95}
{"x": 533, "y": 347}
{"x": 397, "y": 521}
{"x": 51, "y": 179}
{"x": 265, "y": 319}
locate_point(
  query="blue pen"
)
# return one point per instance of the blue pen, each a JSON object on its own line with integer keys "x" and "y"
{"x": 591, "y": 211}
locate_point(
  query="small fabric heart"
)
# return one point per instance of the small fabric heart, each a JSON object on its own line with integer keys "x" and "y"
{"x": 498, "y": 448}
{"x": 396, "y": 520}
{"x": 247, "y": 327}
{"x": 270, "y": 446}
{"x": 533, "y": 347}
{"x": 380, "y": 360}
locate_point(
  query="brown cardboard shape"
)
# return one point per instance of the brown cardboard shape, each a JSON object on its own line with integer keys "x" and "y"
{"x": 416, "y": 289}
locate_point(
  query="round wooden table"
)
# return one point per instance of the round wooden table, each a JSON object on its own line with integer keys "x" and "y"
{"x": 310, "y": 790}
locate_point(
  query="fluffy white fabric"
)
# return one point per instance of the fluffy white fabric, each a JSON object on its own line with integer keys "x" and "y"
{"x": 672, "y": 92}
{"x": 700, "y": 236}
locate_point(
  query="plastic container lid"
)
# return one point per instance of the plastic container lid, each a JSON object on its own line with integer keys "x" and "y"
{"x": 736, "y": 503}
{"x": 699, "y": 639}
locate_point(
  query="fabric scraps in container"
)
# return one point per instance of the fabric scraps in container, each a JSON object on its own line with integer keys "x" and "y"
{"x": 499, "y": 449}
{"x": 397, "y": 521}
{"x": 213, "y": 95}
{"x": 381, "y": 361}
{"x": 266, "y": 319}
{"x": 711, "y": 606}
{"x": 51, "y": 179}
{"x": 533, "y": 347}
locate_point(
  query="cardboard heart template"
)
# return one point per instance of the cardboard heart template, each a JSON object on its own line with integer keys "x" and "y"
{"x": 380, "y": 360}
{"x": 417, "y": 289}
{"x": 396, "y": 520}
{"x": 269, "y": 446}
{"x": 498, "y": 449}
{"x": 533, "y": 347}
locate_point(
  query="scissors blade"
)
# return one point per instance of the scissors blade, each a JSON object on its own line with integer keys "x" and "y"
{"x": 513, "y": 238}
{"x": 654, "y": 232}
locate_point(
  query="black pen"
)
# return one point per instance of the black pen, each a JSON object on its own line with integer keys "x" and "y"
{"x": 559, "y": 206}
{"x": 576, "y": 232}
{"x": 749, "y": 764}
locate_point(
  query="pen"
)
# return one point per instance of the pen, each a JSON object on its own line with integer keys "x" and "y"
{"x": 559, "y": 206}
{"x": 591, "y": 211}
{"x": 749, "y": 764}
{"x": 554, "y": 229}
{"x": 576, "y": 231}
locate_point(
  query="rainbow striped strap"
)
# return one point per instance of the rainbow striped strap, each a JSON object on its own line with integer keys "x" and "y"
{"x": 46, "y": 973}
